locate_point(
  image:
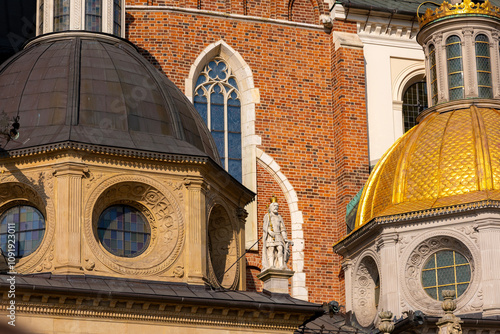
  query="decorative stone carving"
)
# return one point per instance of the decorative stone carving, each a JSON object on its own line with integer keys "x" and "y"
{"x": 386, "y": 325}
{"x": 416, "y": 256}
{"x": 326, "y": 21}
{"x": 470, "y": 231}
{"x": 162, "y": 211}
{"x": 223, "y": 249}
{"x": 89, "y": 265}
{"x": 46, "y": 264}
{"x": 275, "y": 250}
{"x": 449, "y": 323}
{"x": 364, "y": 294}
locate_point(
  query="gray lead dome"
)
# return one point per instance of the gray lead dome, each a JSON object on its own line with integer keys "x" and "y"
{"x": 96, "y": 89}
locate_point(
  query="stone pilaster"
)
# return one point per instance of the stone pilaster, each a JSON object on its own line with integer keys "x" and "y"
{"x": 386, "y": 244}
{"x": 242, "y": 216}
{"x": 489, "y": 239}
{"x": 68, "y": 203}
{"x": 196, "y": 231}
{"x": 347, "y": 268}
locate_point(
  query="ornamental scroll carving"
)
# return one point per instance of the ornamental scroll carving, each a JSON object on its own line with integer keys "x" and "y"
{"x": 364, "y": 294}
{"x": 417, "y": 255}
{"x": 223, "y": 249}
{"x": 162, "y": 211}
{"x": 16, "y": 193}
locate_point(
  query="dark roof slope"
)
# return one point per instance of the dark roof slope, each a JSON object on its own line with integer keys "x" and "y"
{"x": 97, "y": 89}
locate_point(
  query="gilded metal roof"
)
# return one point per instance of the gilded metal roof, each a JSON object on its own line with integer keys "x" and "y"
{"x": 97, "y": 89}
{"x": 449, "y": 159}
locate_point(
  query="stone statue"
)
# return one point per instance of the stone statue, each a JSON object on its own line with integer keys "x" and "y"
{"x": 276, "y": 251}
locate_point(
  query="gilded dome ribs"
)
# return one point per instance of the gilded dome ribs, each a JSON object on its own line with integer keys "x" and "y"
{"x": 450, "y": 159}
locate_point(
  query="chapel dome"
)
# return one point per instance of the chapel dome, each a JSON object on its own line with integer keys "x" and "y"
{"x": 449, "y": 159}
{"x": 98, "y": 90}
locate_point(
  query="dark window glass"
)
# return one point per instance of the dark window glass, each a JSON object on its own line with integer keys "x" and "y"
{"x": 455, "y": 68}
{"x": 483, "y": 67}
{"x": 61, "y": 15}
{"x": 117, "y": 18}
{"x": 40, "y": 17}
{"x": 93, "y": 15}
{"x": 123, "y": 231}
{"x": 414, "y": 102}
{"x": 217, "y": 100}
{"x": 446, "y": 270}
{"x": 27, "y": 226}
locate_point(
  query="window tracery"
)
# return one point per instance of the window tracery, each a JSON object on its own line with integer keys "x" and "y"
{"x": 217, "y": 99}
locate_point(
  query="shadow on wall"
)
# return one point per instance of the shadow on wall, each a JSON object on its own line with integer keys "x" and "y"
{"x": 9, "y": 329}
{"x": 130, "y": 19}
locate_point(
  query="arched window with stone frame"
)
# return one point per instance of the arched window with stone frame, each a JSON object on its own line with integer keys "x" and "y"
{"x": 483, "y": 66}
{"x": 455, "y": 68}
{"x": 414, "y": 102}
{"x": 217, "y": 99}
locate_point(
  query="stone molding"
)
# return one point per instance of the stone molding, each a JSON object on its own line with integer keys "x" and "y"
{"x": 103, "y": 307}
{"x": 299, "y": 289}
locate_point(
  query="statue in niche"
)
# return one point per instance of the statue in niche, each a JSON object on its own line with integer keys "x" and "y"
{"x": 275, "y": 250}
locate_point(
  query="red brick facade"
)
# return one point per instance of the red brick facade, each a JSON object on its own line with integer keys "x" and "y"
{"x": 311, "y": 116}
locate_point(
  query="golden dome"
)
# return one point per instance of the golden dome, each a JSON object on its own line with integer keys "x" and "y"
{"x": 450, "y": 158}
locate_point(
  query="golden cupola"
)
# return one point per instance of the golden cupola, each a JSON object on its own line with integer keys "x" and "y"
{"x": 452, "y": 157}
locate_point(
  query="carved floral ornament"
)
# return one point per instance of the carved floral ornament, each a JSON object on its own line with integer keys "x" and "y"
{"x": 157, "y": 203}
{"x": 17, "y": 193}
{"x": 467, "y": 7}
{"x": 415, "y": 257}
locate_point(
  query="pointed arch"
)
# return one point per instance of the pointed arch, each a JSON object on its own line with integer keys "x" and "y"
{"x": 299, "y": 289}
{"x": 249, "y": 97}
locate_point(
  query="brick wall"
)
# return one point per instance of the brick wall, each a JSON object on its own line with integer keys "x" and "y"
{"x": 304, "y": 11}
{"x": 301, "y": 115}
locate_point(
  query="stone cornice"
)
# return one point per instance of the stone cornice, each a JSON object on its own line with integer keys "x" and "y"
{"x": 376, "y": 223}
{"x": 170, "y": 310}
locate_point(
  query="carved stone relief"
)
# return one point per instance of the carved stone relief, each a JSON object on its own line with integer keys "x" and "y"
{"x": 223, "y": 249}
{"x": 416, "y": 256}
{"x": 162, "y": 211}
{"x": 364, "y": 294}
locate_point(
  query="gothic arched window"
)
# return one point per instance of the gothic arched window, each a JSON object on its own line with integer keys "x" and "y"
{"x": 483, "y": 67}
{"x": 455, "y": 67}
{"x": 61, "y": 15}
{"x": 217, "y": 99}
{"x": 434, "y": 89}
{"x": 93, "y": 15}
{"x": 414, "y": 102}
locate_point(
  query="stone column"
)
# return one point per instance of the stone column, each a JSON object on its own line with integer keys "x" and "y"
{"x": 489, "y": 239}
{"x": 196, "y": 231}
{"x": 389, "y": 271}
{"x": 68, "y": 203}
{"x": 386, "y": 325}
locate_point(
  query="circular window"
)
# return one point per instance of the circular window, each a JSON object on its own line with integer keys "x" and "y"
{"x": 446, "y": 270}
{"x": 123, "y": 231}
{"x": 21, "y": 230}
